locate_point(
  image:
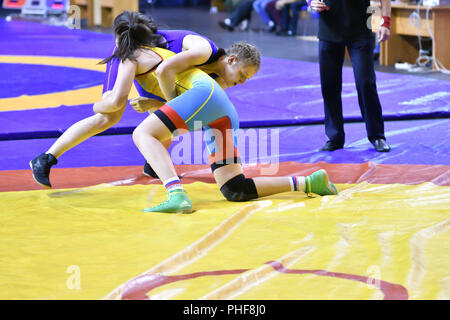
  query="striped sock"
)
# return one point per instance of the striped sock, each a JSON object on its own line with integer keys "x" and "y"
{"x": 297, "y": 183}
{"x": 173, "y": 184}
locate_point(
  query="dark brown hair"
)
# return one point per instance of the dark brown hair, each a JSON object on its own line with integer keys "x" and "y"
{"x": 133, "y": 30}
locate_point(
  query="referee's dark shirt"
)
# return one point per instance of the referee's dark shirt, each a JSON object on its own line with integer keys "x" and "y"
{"x": 346, "y": 20}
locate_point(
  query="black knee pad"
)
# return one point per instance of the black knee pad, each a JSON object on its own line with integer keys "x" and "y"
{"x": 239, "y": 189}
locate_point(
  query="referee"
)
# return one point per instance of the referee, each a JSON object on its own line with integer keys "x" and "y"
{"x": 346, "y": 24}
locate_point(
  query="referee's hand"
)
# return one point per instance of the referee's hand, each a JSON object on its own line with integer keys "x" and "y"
{"x": 383, "y": 34}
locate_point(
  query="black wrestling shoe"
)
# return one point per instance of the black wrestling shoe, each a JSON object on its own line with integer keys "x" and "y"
{"x": 331, "y": 146}
{"x": 381, "y": 145}
{"x": 41, "y": 168}
{"x": 149, "y": 172}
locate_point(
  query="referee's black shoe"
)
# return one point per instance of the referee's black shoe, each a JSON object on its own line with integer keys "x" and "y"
{"x": 41, "y": 168}
{"x": 381, "y": 145}
{"x": 331, "y": 146}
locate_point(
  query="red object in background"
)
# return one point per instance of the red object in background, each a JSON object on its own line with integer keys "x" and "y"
{"x": 57, "y": 5}
{"x": 13, "y": 4}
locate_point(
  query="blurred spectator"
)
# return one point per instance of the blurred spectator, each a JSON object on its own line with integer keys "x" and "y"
{"x": 144, "y": 6}
{"x": 240, "y": 15}
{"x": 290, "y": 10}
{"x": 260, "y": 8}
{"x": 274, "y": 13}
{"x": 231, "y": 5}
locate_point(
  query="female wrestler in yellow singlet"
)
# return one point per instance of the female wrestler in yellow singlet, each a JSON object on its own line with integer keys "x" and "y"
{"x": 200, "y": 100}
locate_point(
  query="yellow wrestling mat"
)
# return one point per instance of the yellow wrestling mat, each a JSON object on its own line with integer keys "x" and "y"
{"x": 370, "y": 242}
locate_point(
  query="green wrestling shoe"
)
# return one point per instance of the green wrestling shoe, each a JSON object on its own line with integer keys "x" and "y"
{"x": 178, "y": 202}
{"x": 319, "y": 183}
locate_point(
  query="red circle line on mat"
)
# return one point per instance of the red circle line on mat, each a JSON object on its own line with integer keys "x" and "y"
{"x": 139, "y": 287}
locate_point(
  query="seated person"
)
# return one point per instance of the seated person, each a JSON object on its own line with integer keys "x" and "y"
{"x": 242, "y": 14}
{"x": 260, "y": 7}
{"x": 290, "y": 10}
{"x": 274, "y": 13}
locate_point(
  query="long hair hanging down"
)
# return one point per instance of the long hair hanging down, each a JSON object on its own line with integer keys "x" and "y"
{"x": 133, "y": 30}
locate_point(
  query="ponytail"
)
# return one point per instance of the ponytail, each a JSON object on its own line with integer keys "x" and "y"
{"x": 133, "y": 30}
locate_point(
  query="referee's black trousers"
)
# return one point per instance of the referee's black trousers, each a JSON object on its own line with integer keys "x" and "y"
{"x": 331, "y": 59}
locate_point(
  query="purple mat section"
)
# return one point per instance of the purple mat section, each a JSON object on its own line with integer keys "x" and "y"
{"x": 20, "y": 78}
{"x": 289, "y": 92}
{"x": 417, "y": 97}
{"x": 52, "y": 122}
{"x": 413, "y": 142}
{"x": 284, "y": 92}
{"x": 29, "y": 38}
